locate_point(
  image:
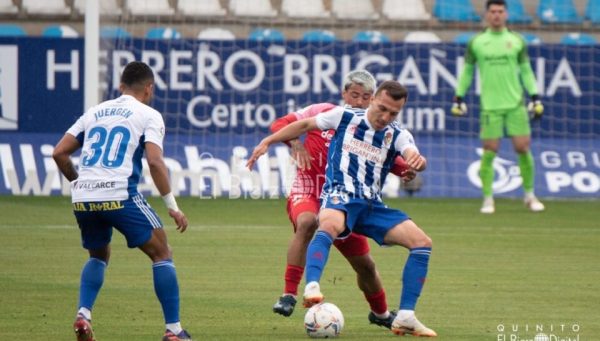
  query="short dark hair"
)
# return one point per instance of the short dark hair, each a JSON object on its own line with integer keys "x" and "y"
{"x": 137, "y": 74}
{"x": 394, "y": 89}
{"x": 495, "y": 2}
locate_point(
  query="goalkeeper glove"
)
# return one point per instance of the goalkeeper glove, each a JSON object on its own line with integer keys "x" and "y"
{"x": 535, "y": 108}
{"x": 459, "y": 108}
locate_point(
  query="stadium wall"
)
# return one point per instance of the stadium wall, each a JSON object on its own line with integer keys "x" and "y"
{"x": 219, "y": 99}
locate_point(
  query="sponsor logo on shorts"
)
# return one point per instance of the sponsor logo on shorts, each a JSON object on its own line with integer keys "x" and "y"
{"x": 97, "y": 206}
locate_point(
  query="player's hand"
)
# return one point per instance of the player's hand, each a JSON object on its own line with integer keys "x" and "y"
{"x": 408, "y": 175}
{"x": 535, "y": 108}
{"x": 259, "y": 150}
{"x": 459, "y": 108}
{"x": 180, "y": 219}
{"x": 299, "y": 153}
{"x": 402, "y": 169}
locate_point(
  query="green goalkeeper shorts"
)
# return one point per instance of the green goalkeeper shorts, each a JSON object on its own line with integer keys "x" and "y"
{"x": 493, "y": 123}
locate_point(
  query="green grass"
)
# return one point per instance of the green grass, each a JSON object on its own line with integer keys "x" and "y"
{"x": 514, "y": 268}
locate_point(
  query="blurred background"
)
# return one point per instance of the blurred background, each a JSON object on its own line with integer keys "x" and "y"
{"x": 227, "y": 68}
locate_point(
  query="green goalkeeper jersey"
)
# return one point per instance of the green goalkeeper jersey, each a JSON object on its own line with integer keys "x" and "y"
{"x": 503, "y": 62}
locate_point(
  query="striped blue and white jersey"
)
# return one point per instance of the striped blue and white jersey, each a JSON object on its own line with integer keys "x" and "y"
{"x": 360, "y": 157}
{"x": 112, "y": 135}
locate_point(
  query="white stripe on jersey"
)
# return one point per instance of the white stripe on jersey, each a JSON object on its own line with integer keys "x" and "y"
{"x": 345, "y": 164}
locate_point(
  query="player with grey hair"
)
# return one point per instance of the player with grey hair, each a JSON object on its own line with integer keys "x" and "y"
{"x": 360, "y": 77}
{"x": 303, "y": 204}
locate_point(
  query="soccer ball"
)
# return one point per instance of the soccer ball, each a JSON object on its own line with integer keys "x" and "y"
{"x": 323, "y": 320}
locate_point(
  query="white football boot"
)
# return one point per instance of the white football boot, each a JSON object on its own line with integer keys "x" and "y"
{"x": 488, "y": 206}
{"x": 410, "y": 325}
{"x": 312, "y": 294}
{"x": 532, "y": 203}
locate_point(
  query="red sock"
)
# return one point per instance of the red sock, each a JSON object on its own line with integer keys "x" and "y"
{"x": 377, "y": 302}
{"x": 293, "y": 275}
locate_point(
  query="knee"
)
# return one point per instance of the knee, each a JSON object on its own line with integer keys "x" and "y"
{"x": 162, "y": 254}
{"x": 306, "y": 227}
{"x": 331, "y": 227}
{"x": 521, "y": 149}
{"x": 423, "y": 241}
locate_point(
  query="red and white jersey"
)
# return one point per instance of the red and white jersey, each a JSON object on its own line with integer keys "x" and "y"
{"x": 309, "y": 182}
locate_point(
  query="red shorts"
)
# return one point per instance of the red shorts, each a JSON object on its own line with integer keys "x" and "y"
{"x": 353, "y": 245}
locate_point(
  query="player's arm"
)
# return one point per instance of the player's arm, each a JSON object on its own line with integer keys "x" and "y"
{"x": 160, "y": 176}
{"x": 281, "y": 122}
{"x": 299, "y": 154}
{"x": 535, "y": 106}
{"x": 526, "y": 71}
{"x": 405, "y": 144}
{"x": 414, "y": 159}
{"x": 465, "y": 79}
{"x": 289, "y": 132}
{"x": 62, "y": 156}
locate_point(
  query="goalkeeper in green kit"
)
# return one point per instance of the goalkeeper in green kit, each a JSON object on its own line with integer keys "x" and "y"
{"x": 503, "y": 62}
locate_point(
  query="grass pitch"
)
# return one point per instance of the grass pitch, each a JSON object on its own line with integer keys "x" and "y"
{"x": 511, "y": 275}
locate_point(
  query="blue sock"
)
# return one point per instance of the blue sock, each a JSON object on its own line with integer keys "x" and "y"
{"x": 167, "y": 289}
{"x": 413, "y": 277}
{"x": 92, "y": 277}
{"x": 316, "y": 256}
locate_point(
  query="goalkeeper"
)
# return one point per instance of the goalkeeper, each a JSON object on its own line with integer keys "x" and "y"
{"x": 503, "y": 63}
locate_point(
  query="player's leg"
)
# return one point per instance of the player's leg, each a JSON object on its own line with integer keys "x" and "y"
{"x": 142, "y": 228}
{"x": 518, "y": 128}
{"x": 492, "y": 129}
{"x": 166, "y": 285}
{"x": 331, "y": 224}
{"x": 393, "y": 227}
{"x": 303, "y": 214}
{"x": 355, "y": 249}
{"x": 527, "y": 168}
{"x": 95, "y": 236}
{"x": 409, "y": 235}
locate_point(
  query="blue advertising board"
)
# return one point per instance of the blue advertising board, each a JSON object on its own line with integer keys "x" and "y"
{"x": 219, "y": 98}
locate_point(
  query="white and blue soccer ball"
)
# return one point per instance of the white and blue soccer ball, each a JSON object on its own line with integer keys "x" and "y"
{"x": 323, "y": 321}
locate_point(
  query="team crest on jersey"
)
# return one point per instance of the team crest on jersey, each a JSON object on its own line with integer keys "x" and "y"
{"x": 387, "y": 140}
{"x": 509, "y": 45}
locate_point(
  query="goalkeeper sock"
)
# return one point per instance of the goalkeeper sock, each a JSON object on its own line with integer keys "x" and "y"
{"x": 92, "y": 278}
{"x": 316, "y": 256}
{"x": 527, "y": 167}
{"x": 486, "y": 173}
{"x": 167, "y": 289}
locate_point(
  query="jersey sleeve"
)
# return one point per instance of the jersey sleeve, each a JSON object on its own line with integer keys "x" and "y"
{"x": 527, "y": 75}
{"x": 78, "y": 129}
{"x": 466, "y": 76}
{"x": 155, "y": 130}
{"x": 405, "y": 141}
{"x": 281, "y": 122}
{"x": 330, "y": 119}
